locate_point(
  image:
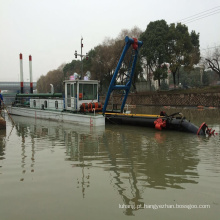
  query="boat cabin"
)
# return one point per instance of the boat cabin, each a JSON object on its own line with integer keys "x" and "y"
{"x": 78, "y": 92}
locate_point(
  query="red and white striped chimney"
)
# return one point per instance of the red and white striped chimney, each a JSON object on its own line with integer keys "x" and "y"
{"x": 31, "y": 78}
{"x": 21, "y": 74}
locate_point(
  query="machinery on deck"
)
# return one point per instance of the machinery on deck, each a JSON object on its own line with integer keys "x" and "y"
{"x": 163, "y": 121}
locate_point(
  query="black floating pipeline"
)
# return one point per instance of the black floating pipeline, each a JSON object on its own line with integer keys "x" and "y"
{"x": 176, "y": 122}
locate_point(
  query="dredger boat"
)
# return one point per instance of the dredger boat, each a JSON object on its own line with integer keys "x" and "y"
{"x": 81, "y": 105}
{"x": 162, "y": 121}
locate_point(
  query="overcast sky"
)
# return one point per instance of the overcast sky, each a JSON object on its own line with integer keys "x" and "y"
{"x": 50, "y": 30}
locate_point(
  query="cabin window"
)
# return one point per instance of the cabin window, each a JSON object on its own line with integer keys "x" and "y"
{"x": 95, "y": 95}
{"x": 68, "y": 96}
{"x": 87, "y": 91}
{"x": 75, "y": 90}
{"x": 72, "y": 90}
{"x": 45, "y": 104}
{"x": 34, "y": 103}
{"x": 56, "y": 104}
{"x": 80, "y": 91}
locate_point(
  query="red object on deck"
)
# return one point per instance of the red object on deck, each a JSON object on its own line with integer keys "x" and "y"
{"x": 95, "y": 106}
{"x": 84, "y": 107}
{"x": 91, "y": 107}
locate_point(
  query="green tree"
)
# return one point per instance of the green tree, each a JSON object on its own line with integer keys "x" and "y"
{"x": 183, "y": 49}
{"x": 170, "y": 44}
{"x": 160, "y": 74}
{"x": 155, "y": 47}
{"x": 71, "y": 68}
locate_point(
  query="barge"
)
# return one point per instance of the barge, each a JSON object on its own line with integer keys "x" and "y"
{"x": 68, "y": 108}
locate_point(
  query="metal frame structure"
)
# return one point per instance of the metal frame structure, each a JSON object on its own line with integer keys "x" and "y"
{"x": 136, "y": 46}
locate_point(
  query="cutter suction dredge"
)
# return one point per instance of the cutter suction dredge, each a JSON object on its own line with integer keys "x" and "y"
{"x": 175, "y": 121}
{"x": 80, "y": 103}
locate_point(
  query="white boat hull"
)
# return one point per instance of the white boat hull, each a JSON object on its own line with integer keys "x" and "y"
{"x": 80, "y": 119}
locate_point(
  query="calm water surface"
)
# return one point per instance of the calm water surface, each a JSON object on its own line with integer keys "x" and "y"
{"x": 51, "y": 170}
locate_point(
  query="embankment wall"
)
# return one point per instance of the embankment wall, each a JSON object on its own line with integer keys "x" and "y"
{"x": 169, "y": 99}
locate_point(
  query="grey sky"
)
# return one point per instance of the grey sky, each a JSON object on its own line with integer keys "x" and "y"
{"x": 50, "y": 30}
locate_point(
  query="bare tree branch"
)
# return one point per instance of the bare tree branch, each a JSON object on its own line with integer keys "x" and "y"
{"x": 214, "y": 66}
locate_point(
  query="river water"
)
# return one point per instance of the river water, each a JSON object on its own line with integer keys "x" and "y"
{"x": 51, "y": 170}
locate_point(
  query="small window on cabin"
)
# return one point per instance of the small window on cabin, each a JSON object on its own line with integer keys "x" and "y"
{"x": 80, "y": 91}
{"x": 95, "y": 91}
{"x": 75, "y": 90}
{"x": 45, "y": 104}
{"x": 56, "y": 104}
{"x": 72, "y": 90}
{"x": 88, "y": 92}
{"x": 34, "y": 103}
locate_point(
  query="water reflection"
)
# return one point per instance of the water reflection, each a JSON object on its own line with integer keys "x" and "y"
{"x": 2, "y": 144}
{"x": 136, "y": 159}
{"x": 41, "y": 135}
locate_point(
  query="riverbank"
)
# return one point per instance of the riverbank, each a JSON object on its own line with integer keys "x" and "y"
{"x": 202, "y": 97}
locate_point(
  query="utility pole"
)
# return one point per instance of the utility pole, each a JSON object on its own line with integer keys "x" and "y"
{"x": 81, "y": 56}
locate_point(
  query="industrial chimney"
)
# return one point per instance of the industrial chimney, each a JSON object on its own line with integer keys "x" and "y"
{"x": 31, "y": 80}
{"x": 21, "y": 74}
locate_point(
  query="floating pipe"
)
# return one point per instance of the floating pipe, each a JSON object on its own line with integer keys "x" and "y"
{"x": 40, "y": 95}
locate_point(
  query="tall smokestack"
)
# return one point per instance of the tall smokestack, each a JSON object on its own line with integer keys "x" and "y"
{"x": 21, "y": 74}
{"x": 31, "y": 78}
